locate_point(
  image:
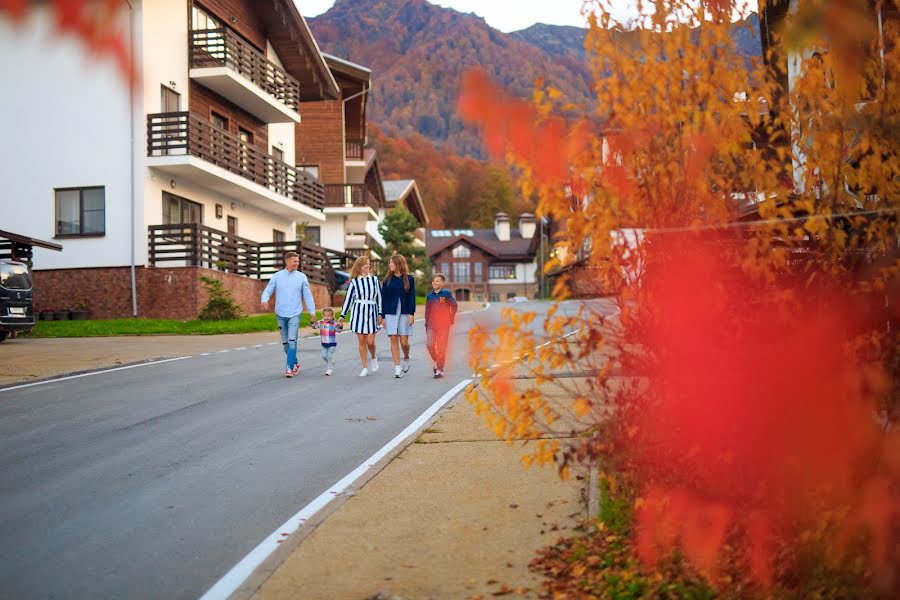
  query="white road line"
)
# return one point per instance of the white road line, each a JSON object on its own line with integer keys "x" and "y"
{"x": 239, "y": 573}
{"x": 147, "y": 364}
{"x": 241, "y": 348}
{"x": 258, "y": 346}
{"x": 223, "y": 351}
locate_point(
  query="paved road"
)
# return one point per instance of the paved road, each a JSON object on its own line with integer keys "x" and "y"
{"x": 153, "y": 482}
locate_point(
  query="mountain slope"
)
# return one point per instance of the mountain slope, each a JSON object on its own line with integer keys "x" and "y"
{"x": 418, "y": 52}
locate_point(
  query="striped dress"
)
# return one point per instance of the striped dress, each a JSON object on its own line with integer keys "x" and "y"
{"x": 364, "y": 297}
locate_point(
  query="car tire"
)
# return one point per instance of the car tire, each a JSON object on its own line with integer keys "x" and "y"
{"x": 3, "y": 335}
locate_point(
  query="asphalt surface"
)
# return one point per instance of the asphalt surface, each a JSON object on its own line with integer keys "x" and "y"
{"x": 152, "y": 482}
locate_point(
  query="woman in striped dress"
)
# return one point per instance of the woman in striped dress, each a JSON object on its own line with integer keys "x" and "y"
{"x": 364, "y": 298}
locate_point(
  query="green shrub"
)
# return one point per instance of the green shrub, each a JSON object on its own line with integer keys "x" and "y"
{"x": 221, "y": 305}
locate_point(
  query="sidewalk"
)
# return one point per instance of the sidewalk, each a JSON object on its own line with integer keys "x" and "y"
{"x": 454, "y": 515}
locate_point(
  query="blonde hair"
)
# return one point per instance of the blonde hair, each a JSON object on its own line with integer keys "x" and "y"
{"x": 400, "y": 261}
{"x": 327, "y": 310}
{"x": 358, "y": 265}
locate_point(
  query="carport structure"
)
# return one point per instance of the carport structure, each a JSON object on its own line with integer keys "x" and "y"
{"x": 14, "y": 246}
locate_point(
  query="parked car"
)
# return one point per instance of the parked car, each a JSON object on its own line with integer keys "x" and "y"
{"x": 518, "y": 299}
{"x": 343, "y": 280}
{"x": 16, "y": 303}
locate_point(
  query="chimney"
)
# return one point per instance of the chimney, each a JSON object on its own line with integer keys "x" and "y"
{"x": 501, "y": 226}
{"x": 527, "y": 225}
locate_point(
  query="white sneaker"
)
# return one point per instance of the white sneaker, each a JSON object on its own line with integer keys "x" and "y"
{"x": 398, "y": 373}
{"x": 405, "y": 365}
{"x": 328, "y": 371}
{"x": 364, "y": 372}
{"x": 373, "y": 364}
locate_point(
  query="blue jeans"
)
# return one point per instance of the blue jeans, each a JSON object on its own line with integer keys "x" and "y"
{"x": 328, "y": 355}
{"x": 289, "y": 327}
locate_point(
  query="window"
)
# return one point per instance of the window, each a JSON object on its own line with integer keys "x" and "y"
{"x": 311, "y": 170}
{"x": 200, "y": 19}
{"x": 232, "y": 225}
{"x": 501, "y": 272}
{"x": 461, "y": 272}
{"x": 445, "y": 269}
{"x": 170, "y": 100}
{"x": 277, "y": 236}
{"x": 15, "y": 277}
{"x": 220, "y": 121}
{"x": 461, "y": 251}
{"x": 494, "y": 298}
{"x": 313, "y": 235}
{"x": 510, "y": 295}
{"x": 277, "y": 153}
{"x": 81, "y": 211}
{"x": 246, "y": 138}
{"x": 177, "y": 210}
{"x": 479, "y": 275}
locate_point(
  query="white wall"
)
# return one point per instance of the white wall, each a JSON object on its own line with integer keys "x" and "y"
{"x": 253, "y": 224}
{"x": 525, "y": 273}
{"x": 67, "y": 123}
{"x": 333, "y": 233}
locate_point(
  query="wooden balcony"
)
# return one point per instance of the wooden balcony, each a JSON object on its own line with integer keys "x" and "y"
{"x": 224, "y": 62}
{"x": 263, "y": 180}
{"x": 354, "y": 149}
{"x": 195, "y": 245}
{"x": 350, "y": 195}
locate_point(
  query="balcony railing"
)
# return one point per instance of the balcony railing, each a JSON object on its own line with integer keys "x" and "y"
{"x": 349, "y": 194}
{"x": 354, "y": 149}
{"x": 223, "y": 47}
{"x": 180, "y": 133}
{"x": 192, "y": 244}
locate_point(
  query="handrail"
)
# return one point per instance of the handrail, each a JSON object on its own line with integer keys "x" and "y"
{"x": 193, "y": 244}
{"x": 180, "y": 133}
{"x": 349, "y": 194}
{"x": 224, "y": 47}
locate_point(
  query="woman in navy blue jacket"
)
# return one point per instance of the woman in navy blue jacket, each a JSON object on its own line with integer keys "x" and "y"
{"x": 398, "y": 310}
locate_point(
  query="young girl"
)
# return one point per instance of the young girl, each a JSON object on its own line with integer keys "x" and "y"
{"x": 399, "y": 308}
{"x": 328, "y": 331}
{"x": 364, "y": 298}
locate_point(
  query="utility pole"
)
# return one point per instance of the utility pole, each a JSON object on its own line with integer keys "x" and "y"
{"x": 541, "y": 273}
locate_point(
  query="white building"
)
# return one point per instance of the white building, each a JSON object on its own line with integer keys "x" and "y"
{"x": 193, "y": 166}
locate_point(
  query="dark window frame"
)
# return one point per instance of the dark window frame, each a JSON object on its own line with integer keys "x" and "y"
{"x": 181, "y": 202}
{"x": 81, "y": 234}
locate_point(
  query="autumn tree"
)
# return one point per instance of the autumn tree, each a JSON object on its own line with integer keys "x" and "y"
{"x": 398, "y": 231}
{"x": 743, "y": 392}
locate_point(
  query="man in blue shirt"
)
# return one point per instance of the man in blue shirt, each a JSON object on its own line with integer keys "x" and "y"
{"x": 289, "y": 285}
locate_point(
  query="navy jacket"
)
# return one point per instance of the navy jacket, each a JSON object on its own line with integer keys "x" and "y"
{"x": 440, "y": 310}
{"x": 392, "y": 293}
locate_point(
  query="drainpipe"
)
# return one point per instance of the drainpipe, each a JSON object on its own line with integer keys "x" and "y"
{"x": 134, "y": 305}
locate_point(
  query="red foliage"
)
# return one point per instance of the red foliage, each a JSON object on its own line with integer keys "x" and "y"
{"x": 757, "y": 418}
{"x": 93, "y": 22}
{"x": 547, "y": 145}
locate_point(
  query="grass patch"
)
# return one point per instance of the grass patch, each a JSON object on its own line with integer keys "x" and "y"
{"x": 113, "y": 327}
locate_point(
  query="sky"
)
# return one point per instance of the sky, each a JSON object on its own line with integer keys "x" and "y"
{"x": 511, "y": 15}
{"x": 505, "y": 15}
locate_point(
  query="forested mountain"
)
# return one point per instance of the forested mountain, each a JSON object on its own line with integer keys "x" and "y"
{"x": 417, "y": 52}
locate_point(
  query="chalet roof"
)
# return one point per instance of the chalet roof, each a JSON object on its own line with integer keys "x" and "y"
{"x": 396, "y": 189}
{"x": 516, "y": 249}
{"x": 347, "y": 68}
{"x": 298, "y": 50}
{"x": 406, "y": 191}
